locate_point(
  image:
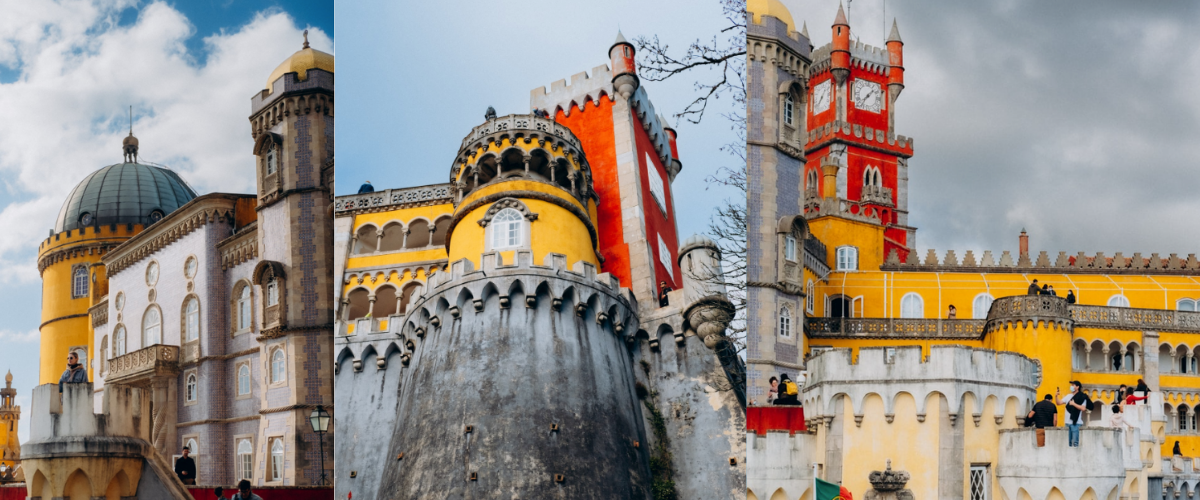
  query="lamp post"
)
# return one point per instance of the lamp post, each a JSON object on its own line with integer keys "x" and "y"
{"x": 320, "y": 425}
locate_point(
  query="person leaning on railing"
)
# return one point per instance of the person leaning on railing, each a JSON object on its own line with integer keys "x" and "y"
{"x": 74, "y": 374}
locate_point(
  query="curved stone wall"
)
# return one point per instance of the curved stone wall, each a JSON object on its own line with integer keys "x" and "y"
{"x": 1098, "y": 463}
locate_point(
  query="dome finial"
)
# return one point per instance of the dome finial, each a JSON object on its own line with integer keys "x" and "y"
{"x": 306, "y": 39}
{"x": 130, "y": 144}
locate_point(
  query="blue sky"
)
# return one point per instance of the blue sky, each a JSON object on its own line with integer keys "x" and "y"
{"x": 415, "y": 77}
{"x": 68, "y": 71}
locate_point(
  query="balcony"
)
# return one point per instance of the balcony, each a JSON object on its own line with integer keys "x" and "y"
{"x": 367, "y": 326}
{"x": 866, "y": 328}
{"x": 876, "y": 194}
{"x": 142, "y": 365}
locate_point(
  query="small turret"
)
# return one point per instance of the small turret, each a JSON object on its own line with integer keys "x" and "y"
{"x": 1023, "y": 242}
{"x": 676, "y": 165}
{"x": 895, "y": 49}
{"x": 829, "y": 170}
{"x": 840, "y": 54}
{"x": 624, "y": 71}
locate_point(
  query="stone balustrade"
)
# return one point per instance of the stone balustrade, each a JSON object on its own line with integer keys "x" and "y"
{"x": 433, "y": 194}
{"x": 144, "y": 364}
{"x": 895, "y": 328}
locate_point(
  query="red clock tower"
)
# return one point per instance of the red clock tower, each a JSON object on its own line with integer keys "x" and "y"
{"x": 857, "y": 167}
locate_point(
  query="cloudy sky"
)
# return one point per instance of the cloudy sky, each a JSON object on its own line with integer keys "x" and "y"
{"x": 69, "y": 69}
{"x": 1075, "y": 120}
{"x": 415, "y": 77}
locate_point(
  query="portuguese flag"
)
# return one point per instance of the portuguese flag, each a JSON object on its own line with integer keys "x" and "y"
{"x": 830, "y": 491}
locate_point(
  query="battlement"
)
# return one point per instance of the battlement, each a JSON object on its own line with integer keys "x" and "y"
{"x": 1099, "y": 462}
{"x": 582, "y": 90}
{"x": 1080, "y": 263}
{"x": 125, "y": 414}
{"x": 950, "y": 370}
{"x": 316, "y": 80}
{"x": 767, "y": 26}
{"x": 838, "y": 129}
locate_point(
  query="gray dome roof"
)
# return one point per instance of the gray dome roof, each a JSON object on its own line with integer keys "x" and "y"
{"x": 125, "y": 193}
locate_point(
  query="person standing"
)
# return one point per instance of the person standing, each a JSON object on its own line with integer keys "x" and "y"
{"x": 244, "y": 492}
{"x": 185, "y": 468}
{"x": 773, "y": 394}
{"x": 953, "y": 314}
{"x": 789, "y": 393}
{"x": 1070, "y": 296}
{"x": 220, "y": 493}
{"x": 664, "y": 289}
{"x": 1043, "y": 415}
{"x": 1076, "y": 402}
{"x": 1175, "y": 451}
{"x": 1051, "y": 291}
{"x": 74, "y": 374}
{"x": 1033, "y": 288}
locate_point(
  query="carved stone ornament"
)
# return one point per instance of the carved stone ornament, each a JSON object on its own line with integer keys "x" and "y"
{"x": 503, "y": 204}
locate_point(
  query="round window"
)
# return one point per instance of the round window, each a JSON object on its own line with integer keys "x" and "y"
{"x": 120, "y": 300}
{"x": 156, "y": 216}
{"x": 189, "y": 268}
{"x": 152, "y": 273}
{"x": 85, "y": 219}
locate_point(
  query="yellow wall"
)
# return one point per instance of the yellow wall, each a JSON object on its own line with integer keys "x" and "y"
{"x": 65, "y": 321}
{"x": 556, "y": 229}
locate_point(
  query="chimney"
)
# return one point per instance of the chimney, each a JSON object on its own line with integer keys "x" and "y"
{"x": 1024, "y": 245}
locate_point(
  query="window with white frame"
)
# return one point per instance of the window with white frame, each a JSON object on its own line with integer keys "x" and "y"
{"x": 1118, "y": 301}
{"x": 1185, "y": 305}
{"x": 243, "y": 379}
{"x": 809, "y": 291}
{"x": 191, "y": 319}
{"x": 243, "y": 308}
{"x": 276, "y": 459}
{"x": 278, "y": 366}
{"x": 507, "y": 230}
{"x": 912, "y": 306}
{"x": 788, "y": 107}
{"x": 789, "y": 248}
{"x": 192, "y": 446}
{"x": 272, "y": 159}
{"x": 79, "y": 282}
{"x": 980, "y": 477}
{"x": 245, "y": 455}
{"x": 981, "y": 305}
{"x": 785, "y": 322}
{"x": 191, "y": 388}
{"x": 119, "y": 341}
{"x": 847, "y": 259}
{"x": 272, "y": 292}
{"x": 151, "y": 327}
{"x": 657, "y": 187}
{"x": 664, "y": 256}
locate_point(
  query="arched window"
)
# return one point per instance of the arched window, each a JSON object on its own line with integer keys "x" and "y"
{"x": 506, "y": 229}
{"x": 1183, "y": 418}
{"x": 812, "y": 180}
{"x": 245, "y": 453}
{"x": 119, "y": 341}
{"x": 243, "y": 380}
{"x": 192, "y": 446}
{"x": 272, "y": 159}
{"x": 1118, "y": 301}
{"x": 809, "y": 291}
{"x": 243, "y": 308}
{"x": 1185, "y": 305}
{"x": 278, "y": 367}
{"x": 272, "y": 292}
{"x": 191, "y": 388}
{"x": 191, "y": 319}
{"x": 276, "y": 459}
{"x": 788, "y": 108}
{"x": 79, "y": 282}
{"x": 847, "y": 259}
{"x": 789, "y": 248}
{"x": 151, "y": 327}
{"x": 912, "y": 306}
{"x": 981, "y": 305}
{"x": 785, "y": 322}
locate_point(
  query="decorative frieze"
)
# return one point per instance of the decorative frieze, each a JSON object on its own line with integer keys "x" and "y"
{"x": 1080, "y": 263}
{"x": 393, "y": 199}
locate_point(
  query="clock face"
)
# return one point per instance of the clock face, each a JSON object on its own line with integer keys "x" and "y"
{"x": 822, "y": 94}
{"x": 868, "y": 96}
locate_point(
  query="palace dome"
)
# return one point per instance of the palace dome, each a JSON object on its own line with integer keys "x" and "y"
{"x": 773, "y": 8}
{"x": 300, "y": 62}
{"x": 124, "y": 193}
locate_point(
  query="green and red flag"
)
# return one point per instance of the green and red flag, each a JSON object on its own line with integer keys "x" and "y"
{"x": 830, "y": 491}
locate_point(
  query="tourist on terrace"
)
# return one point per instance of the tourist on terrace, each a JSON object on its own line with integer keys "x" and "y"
{"x": 366, "y": 188}
{"x": 1070, "y": 296}
{"x": 1045, "y": 290}
{"x": 773, "y": 394}
{"x": 1077, "y": 402}
{"x": 1051, "y": 291}
{"x": 244, "y": 492}
{"x": 789, "y": 392}
{"x": 1142, "y": 388}
{"x": 185, "y": 467}
{"x": 1043, "y": 415}
{"x": 1118, "y": 418}
{"x": 1034, "y": 289}
{"x": 1122, "y": 392}
{"x": 664, "y": 289}
{"x": 74, "y": 374}
{"x": 1175, "y": 451}
{"x": 953, "y": 314}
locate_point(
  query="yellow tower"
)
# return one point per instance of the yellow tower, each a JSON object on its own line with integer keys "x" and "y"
{"x": 10, "y": 416}
{"x": 108, "y": 207}
{"x": 522, "y": 182}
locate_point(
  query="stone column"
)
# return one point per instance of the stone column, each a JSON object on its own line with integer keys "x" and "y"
{"x": 1150, "y": 368}
{"x": 164, "y": 397}
{"x": 378, "y": 240}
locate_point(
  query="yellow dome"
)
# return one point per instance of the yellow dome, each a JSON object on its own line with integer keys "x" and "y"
{"x": 773, "y": 8}
{"x": 300, "y": 62}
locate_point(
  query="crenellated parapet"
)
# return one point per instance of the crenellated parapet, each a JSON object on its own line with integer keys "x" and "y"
{"x": 862, "y": 56}
{"x": 1080, "y": 263}
{"x": 1099, "y": 463}
{"x": 949, "y": 370}
{"x": 1029, "y": 310}
{"x": 874, "y": 138}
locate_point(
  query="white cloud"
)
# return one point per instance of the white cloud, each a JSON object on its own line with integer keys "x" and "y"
{"x": 65, "y": 114}
{"x": 10, "y": 336}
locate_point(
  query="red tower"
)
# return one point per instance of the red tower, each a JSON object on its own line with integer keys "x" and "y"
{"x": 852, "y": 93}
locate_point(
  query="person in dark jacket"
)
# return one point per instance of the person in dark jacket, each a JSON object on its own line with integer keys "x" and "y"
{"x": 664, "y": 289}
{"x": 185, "y": 467}
{"x": 244, "y": 492}
{"x": 786, "y": 399}
{"x": 1077, "y": 403}
{"x": 1070, "y": 296}
{"x": 1175, "y": 451}
{"x": 366, "y": 188}
{"x": 1045, "y": 290}
{"x": 1051, "y": 291}
{"x": 1043, "y": 415}
{"x": 1122, "y": 391}
{"x": 74, "y": 374}
{"x": 1034, "y": 289}
{"x": 220, "y": 493}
